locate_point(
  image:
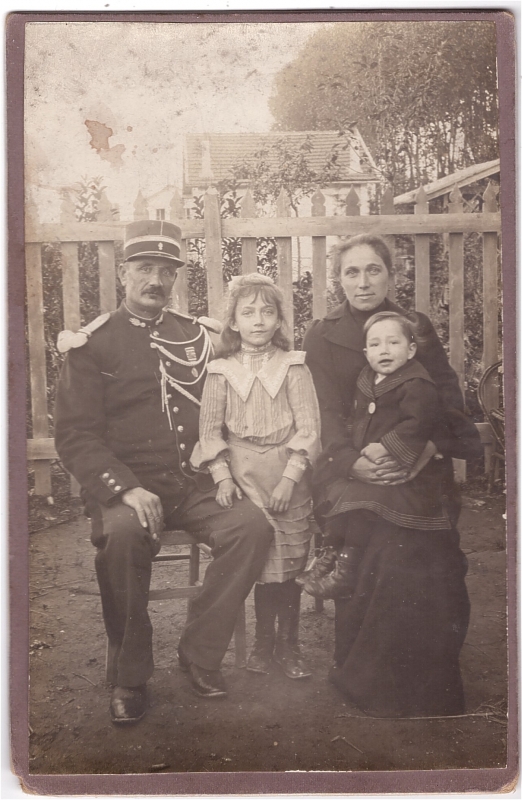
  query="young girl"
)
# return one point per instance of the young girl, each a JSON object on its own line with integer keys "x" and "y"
{"x": 396, "y": 411}
{"x": 262, "y": 394}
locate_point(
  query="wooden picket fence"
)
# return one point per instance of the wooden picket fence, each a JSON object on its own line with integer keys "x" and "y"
{"x": 248, "y": 227}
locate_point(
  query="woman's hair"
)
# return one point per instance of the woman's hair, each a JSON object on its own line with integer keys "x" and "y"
{"x": 377, "y": 243}
{"x": 244, "y": 286}
{"x": 407, "y": 326}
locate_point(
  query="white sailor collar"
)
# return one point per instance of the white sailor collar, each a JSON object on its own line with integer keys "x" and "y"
{"x": 271, "y": 375}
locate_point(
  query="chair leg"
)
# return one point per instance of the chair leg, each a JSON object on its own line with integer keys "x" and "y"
{"x": 193, "y": 571}
{"x": 240, "y": 638}
{"x": 318, "y": 541}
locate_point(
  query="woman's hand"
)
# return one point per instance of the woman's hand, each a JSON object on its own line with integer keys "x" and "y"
{"x": 386, "y": 471}
{"x": 226, "y": 492}
{"x": 281, "y": 496}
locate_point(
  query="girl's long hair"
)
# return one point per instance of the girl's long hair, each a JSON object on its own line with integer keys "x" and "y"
{"x": 244, "y": 286}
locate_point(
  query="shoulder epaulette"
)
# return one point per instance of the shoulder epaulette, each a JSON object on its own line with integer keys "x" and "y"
{"x": 180, "y": 314}
{"x": 71, "y": 339}
{"x": 210, "y": 323}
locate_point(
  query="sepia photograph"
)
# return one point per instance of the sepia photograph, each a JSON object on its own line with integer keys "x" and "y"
{"x": 244, "y": 241}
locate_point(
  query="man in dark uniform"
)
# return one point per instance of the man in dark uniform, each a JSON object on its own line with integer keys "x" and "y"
{"x": 127, "y": 414}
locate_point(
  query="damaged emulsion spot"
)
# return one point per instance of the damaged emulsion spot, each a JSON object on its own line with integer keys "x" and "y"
{"x": 100, "y": 135}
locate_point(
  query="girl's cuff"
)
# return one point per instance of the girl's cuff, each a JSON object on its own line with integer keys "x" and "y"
{"x": 219, "y": 470}
{"x": 295, "y": 467}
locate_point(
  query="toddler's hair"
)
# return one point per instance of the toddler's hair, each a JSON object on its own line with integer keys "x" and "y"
{"x": 407, "y": 326}
{"x": 244, "y": 286}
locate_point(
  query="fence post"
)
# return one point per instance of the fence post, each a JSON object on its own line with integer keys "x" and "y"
{"x": 490, "y": 285}
{"x": 70, "y": 270}
{"x": 319, "y": 260}
{"x": 284, "y": 262}
{"x": 141, "y": 210}
{"x": 213, "y": 253}
{"x": 249, "y": 245}
{"x": 456, "y": 308}
{"x": 106, "y": 261}
{"x": 36, "y": 342}
{"x": 422, "y": 257}
{"x": 387, "y": 208}
{"x": 352, "y": 206}
{"x": 180, "y": 290}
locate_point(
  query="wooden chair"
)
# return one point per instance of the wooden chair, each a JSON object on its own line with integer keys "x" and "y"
{"x": 192, "y": 589}
{"x": 173, "y": 539}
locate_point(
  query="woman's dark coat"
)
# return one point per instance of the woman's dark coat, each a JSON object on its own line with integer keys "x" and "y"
{"x": 398, "y": 639}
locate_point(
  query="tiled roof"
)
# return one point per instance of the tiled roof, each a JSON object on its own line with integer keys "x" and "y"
{"x": 221, "y": 151}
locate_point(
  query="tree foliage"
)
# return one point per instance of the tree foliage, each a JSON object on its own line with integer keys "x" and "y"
{"x": 423, "y": 94}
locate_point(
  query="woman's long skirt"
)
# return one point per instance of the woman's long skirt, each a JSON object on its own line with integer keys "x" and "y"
{"x": 398, "y": 639}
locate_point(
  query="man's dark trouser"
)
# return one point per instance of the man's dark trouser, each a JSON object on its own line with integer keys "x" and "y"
{"x": 239, "y": 538}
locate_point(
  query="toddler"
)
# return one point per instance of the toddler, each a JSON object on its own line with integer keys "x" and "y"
{"x": 396, "y": 411}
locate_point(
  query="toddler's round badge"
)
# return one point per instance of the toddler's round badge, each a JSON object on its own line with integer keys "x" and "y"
{"x": 371, "y": 408}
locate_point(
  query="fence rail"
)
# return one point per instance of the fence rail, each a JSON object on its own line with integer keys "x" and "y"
{"x": 69, "y": 233}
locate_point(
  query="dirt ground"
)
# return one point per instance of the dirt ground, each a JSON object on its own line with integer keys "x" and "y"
{"x": 268, "y": 723}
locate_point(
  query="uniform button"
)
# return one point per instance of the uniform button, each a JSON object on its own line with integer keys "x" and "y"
{"x": 155, "y": 333}
{"x": 330, "y": 459}
{"x": 117, "y": 488}
{"x": 180, "y": 428}
{"x": 183, "y": 463}
{"x": 175, "y": 409}
{"x": 112, "y": 482}
{"x": 105, "y": 476}
{"x": 182, "y": 446}
{"x": 167, "y": 363}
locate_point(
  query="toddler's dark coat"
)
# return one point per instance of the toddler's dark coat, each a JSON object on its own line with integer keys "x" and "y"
{"x": 401, "y": 412}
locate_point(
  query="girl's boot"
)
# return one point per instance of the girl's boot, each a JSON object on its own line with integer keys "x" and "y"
{"x": 265, "y": 603}
{"x": 286, "y": 652}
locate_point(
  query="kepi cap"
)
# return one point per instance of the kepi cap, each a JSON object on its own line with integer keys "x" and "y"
{"x": 153, "y": 237}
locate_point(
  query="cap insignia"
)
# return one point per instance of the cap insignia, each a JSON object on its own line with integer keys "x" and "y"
{"x": 160, "y": 245}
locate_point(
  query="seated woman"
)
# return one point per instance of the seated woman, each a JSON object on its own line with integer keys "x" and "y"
{"x": 399, "y": 635}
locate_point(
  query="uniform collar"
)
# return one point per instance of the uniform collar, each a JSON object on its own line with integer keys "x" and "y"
{"x": 139, "y": 322}
{"x": 346, "y": 330}
{"x": 412, "y": 369}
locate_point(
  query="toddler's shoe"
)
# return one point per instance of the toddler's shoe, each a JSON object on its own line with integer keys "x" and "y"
{"x": 339, "y": 583}
{"x": 321, "y": 566}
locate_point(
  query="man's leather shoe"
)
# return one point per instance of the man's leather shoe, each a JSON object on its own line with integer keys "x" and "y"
{"x": 128, "y": 704}
{"x": 206, "y": 682}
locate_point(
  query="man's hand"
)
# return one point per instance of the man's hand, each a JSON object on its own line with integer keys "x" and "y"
{"x": 226, "y": 492}
{"x": 374, "y": 452}
{"x": 148, "y": 508}
{"x": 385, "y": 472}
{"x": 281, "y": 496}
